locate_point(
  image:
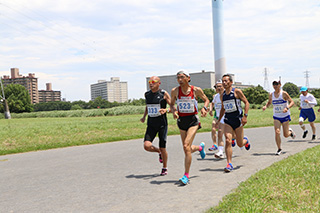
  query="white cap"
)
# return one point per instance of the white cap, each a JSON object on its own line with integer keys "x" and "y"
{"x": 183, "y": 72}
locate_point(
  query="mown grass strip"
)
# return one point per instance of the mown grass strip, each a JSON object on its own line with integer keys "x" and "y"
{"x": 291, "y": 185}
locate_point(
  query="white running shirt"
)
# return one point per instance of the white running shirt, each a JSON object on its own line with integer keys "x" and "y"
{"x": 310, "y": 98}
{"x": 278, "y": 106}
{"x": 217, "y": 106}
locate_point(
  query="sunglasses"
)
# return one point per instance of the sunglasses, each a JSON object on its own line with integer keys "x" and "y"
{"x": 153, "y": 81}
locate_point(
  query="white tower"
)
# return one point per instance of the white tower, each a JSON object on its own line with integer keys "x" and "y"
{"x": 217, "y": 20}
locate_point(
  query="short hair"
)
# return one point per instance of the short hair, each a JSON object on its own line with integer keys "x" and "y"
{"x": 228, "y": 75}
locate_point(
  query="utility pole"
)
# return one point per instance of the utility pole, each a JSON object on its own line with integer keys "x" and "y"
{"x": 5, "y": 103}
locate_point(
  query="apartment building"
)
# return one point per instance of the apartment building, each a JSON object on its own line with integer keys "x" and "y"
{"x": 113, "y": 90}
{"x": 49, "y": 95}
{"x": 30, "y": 82}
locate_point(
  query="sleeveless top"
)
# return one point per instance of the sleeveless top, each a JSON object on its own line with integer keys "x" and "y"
{"x": 187, "y": 104}
{"x": 278, "y": 106}
{"x": 232, "y": 105}
{"x": 155, "y": 101}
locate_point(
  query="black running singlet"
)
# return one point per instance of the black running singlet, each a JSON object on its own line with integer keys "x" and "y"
{"x": 156, "y": 101}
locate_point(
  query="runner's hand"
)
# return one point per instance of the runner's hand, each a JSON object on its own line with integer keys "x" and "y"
{"x": 203, "y": 112}
{"x": 163, "y": 111}
{"x": 175, "y": 115}
{"x": 244, "y": 120}
{"x": 142, "y": 119}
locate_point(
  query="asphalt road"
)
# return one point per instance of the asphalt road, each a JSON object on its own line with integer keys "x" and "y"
{"x": 122, "y": 177}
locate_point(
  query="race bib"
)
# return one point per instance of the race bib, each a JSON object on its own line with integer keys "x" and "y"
{"x": 304, "y": 104}
{"x": 217, "y": 106}
{"x": 186, "y": 106}
{"x": 230, "y": 106}
{"x": 278, "y": 109}
{"x": 153, "y": 110}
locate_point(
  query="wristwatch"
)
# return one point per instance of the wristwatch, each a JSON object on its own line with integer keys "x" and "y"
{"x": 245, "y": 114}
{"x": 205, "y": 108}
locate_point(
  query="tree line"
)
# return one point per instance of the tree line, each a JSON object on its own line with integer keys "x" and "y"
{"x": 19, "y": 100}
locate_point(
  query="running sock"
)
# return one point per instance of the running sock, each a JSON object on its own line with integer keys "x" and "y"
{"x": 186, "y": 174}
{"x": 200, "y": 148}
{"x": 220, "y": 148}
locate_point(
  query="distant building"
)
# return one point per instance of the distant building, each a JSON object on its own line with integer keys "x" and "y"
{"x": 49, "y": 95}
{"x": 203, "y": 79}
{"x": 241, "y": 86}
{"x": 30, "y": 82}
{"x": 112, "y": 91}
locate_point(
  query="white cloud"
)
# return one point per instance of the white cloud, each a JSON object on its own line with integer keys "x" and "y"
{"x": 75, "y": 43}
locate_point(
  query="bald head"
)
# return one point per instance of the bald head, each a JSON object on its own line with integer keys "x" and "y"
{"x": 154, "y": 83}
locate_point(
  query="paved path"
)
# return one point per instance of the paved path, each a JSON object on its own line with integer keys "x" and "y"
{"x": 122, "y": 177}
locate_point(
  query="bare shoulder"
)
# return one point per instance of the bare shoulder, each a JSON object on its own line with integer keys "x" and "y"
{"x": 197, "y": 89}
{"x": 175, "y": 90}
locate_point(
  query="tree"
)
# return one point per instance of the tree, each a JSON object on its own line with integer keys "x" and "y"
{"x": 291, "y": 89}
{"x": 316, "y": 93}
{"x": 209, "y": 93}
{"x": 256, "y": 95}
{"x": 18, "y": 98}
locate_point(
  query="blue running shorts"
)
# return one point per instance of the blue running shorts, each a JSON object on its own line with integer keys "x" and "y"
{"x": 282, "y": 120}
{"x": 308, "y": 113}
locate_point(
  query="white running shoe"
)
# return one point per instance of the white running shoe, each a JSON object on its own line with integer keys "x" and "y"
{"x": 219, "y": 155}
{"x": 293, "y": 135}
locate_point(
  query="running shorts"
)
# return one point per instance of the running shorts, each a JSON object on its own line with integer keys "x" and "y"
{"x": 233, "y": 122}
{"x": 282, "y": 120}
{"x": 308, "y": 113}
{"x": 162, "y": 134}
{"x": 185, "y": 122}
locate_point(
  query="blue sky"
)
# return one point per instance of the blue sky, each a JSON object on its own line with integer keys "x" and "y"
{"x": 73, "y": 43}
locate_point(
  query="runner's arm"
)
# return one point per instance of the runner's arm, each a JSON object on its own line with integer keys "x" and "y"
{"x": 174, "y": 96}
{"x": 199, "y": 93}
{"x": 243, "y": 98}
{"x": 144, "y": 115}
{"x": 168, "y": 99}
{"x": 287, "y": 97}
{"x": 268, "y": 103}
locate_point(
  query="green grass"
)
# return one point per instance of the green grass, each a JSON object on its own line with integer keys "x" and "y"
{"x": 291, "y": 185}
{"x": 31, "y": 134}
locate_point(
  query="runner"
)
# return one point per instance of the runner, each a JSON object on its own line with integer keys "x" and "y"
{"x": 156, "y": 101}
{"x": 234, "y": 120}
{"x": 281, "y": 113}
{"x": 216, "y": 104}
{"x": 307, "y": 102}
{"x": 187, "y": 118}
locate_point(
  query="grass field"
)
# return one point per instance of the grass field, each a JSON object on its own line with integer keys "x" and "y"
{"x": 30, "y": 134}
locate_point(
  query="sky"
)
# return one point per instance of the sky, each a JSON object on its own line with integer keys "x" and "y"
{"x": 73, "y": 44}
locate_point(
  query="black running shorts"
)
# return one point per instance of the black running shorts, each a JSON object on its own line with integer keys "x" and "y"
{"x": 162, "y": 134}
{"x": 233, "y": 122}
{"x": 185, "y": 122}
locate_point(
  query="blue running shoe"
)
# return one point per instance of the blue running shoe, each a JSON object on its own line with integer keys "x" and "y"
{"x": 202, "y": 152}
{"x": 214, "y": 147}
{"x": 233, "y": 143}
{"x": 184, "y": 180}
{"x": 229, "y": 168}
{"x": 247, "y": 145}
